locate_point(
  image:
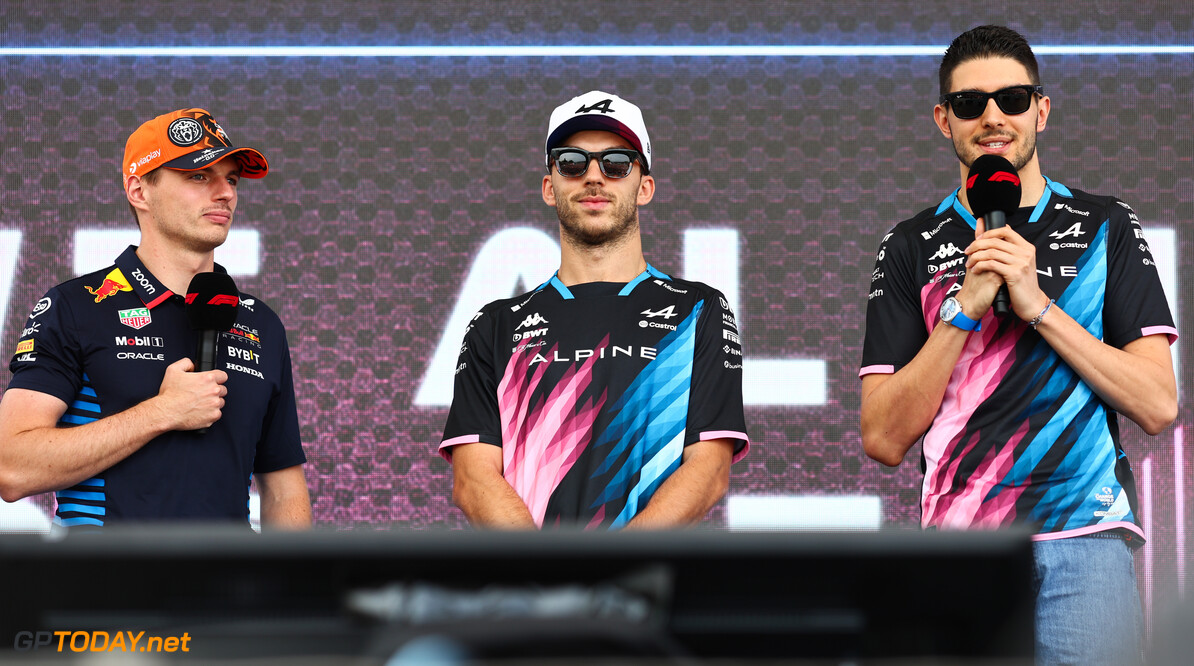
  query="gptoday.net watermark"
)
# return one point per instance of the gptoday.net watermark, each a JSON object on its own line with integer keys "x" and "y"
{"x": 100, "y": 641}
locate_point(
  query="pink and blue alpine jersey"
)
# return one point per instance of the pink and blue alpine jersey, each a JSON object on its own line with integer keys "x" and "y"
{"x": 1019, "y": 437}
{"x": 594, "y": 390}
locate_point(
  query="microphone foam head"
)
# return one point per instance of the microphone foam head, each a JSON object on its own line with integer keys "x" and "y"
{"x": 212, "y": 302}
{"x": 993, "y": 184}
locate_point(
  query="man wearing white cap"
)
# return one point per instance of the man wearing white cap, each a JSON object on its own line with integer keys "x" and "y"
{"x": 611, "y": 395}
{"x": 104, "y": 407}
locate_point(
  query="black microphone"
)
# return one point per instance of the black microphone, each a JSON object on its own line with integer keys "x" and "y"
{"x": 993, "y": 190}
{"x": 212, "y": 305}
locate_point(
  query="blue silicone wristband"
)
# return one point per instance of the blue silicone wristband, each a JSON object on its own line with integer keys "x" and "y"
{"x": 966, "y": 323}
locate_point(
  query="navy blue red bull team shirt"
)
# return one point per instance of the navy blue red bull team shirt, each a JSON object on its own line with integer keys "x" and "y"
{"x": 101, "y": 344}
{"x": 593, "y": 391}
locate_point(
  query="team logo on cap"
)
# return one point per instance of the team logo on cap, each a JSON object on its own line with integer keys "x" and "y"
{"x": 602, "y": 106}
{"x": 185, "y": 132}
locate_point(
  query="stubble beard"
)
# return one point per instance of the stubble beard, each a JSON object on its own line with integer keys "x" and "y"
{"x": 575, "y": 229}
{"x": 1018, "y": 159}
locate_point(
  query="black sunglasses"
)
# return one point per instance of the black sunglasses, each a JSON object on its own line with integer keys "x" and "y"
{"x": 970, "y": 104}
{"x": 574, "y": 162}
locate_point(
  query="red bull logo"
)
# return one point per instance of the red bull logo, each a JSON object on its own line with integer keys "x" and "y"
{"x": 113, "y": 282}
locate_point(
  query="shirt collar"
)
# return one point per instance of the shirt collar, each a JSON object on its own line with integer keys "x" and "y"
{"x": 566, "y": 293}
{"x": 147, "y": 287}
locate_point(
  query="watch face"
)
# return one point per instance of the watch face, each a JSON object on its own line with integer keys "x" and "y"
{"x": 950, "y": 309}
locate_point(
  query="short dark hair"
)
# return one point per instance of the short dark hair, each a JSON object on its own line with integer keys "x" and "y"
{"x": 151, "y": 178}
{"x": 987, "y": 41}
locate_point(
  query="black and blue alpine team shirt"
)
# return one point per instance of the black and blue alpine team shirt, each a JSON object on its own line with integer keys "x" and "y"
{"x": 101, "y": 344}
{"x": 1019, "y": 437}
{"x": 594, "y": 390}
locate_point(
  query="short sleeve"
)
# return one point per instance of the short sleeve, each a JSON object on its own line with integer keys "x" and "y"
{"x": 895, "y": 320}
{"x": 48, "y": 357}
{"x": 715, "y": 401}
{"x": 281, "y": 444}
{"x": 474, "y": 415}
{"x": 1135, "y": 303}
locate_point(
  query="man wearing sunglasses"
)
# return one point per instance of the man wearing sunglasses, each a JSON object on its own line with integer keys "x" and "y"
{"x": 611, "y": 395}
{"x": 1018, "y": 413}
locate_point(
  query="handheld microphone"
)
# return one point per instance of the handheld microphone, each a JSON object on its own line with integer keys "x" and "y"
{"x": 212, "y": 305}
{"x": 993, "y": 190}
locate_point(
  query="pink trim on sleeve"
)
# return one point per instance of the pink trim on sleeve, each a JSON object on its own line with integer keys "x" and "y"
{"x": 729, "y": 434}
{"x": 447, "y": 444}
{"x": 877, "y": 370}
{"x": 1158, "y": 330}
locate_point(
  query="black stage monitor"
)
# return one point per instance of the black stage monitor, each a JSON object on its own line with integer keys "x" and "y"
{"x": 686, "y": 595}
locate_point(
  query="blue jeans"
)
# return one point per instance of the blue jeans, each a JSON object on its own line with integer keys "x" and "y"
{"x": 1087, "y": 604}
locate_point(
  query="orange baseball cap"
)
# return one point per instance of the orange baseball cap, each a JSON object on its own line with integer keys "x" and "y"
{"x": 186, "y": 140}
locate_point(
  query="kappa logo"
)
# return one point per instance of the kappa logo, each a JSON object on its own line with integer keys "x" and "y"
{"x": 1075, "y": 230}
{"x": 944, "y": 251}
{"x": 114, "y": 282}
{"x": 532, "y": 320}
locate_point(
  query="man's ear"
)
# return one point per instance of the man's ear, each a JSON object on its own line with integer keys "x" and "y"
{"x": 134, "y": 189}
{"x": 646, "y": 191}
{"x": 549, "y": 192}
{"x": 941, "y": 118}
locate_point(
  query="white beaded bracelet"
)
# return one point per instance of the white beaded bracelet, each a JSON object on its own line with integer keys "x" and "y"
{"x": 1037, "y": 319}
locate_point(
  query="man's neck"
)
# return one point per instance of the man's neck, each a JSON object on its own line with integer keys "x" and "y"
{"x": 620, "y": 262}
{"x": 174, "y": 267}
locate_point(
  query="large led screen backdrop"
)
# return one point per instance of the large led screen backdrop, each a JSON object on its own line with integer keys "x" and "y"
{"x": 404, "y": 193}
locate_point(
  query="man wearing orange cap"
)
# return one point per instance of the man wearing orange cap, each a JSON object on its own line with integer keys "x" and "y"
{"x": 105, "y": 408}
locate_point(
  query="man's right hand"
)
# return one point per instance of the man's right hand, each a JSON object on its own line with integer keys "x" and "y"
{"x": 191, "y": 400}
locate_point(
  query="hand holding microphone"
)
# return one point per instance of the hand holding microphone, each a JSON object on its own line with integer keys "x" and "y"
{"x": 993, "y": 190}
{"x": 212, "y": 305}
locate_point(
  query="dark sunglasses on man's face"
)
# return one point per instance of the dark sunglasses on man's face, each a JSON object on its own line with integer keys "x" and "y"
{"x": 970, "y": 104}
{"x": 574, "y": 162}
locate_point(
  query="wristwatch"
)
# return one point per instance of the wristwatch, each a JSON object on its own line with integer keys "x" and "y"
{"x": 951, "y": 313}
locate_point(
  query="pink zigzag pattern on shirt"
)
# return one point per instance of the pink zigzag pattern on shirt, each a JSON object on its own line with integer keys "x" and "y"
{"x": 1001, "y": 509}
{"x": 541, "y": 442}
{"x": 984, "y": 361}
